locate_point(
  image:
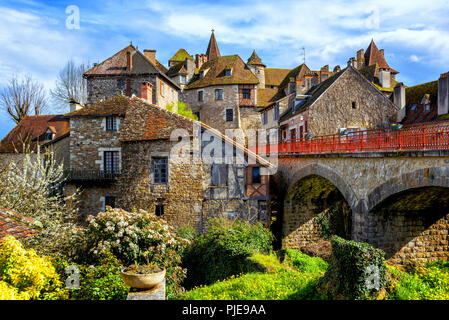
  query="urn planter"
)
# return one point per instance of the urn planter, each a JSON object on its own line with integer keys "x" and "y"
{"x": 143, "y": 281}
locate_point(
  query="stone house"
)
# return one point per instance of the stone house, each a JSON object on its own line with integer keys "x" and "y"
{"x": 426, "y": 102}
{"x": 346, "y": 101}
{"x": 121, "y": 155}
{"x": 124, "y": 73}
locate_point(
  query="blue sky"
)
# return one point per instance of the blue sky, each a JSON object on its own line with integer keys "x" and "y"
{"x": 35, "y": 40}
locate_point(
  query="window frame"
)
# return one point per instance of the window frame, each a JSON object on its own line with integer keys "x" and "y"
{"x": 276, "y": 113}
{"x": 218, "y": 97}
{"x": 246, "y": 93}
{"x": 201, "y": 95}
{"x": 264, "y": 117}
{"x": 111, "y": 123}
{"x": 111, "y": 164}
{"x": 158, "y": 178}
{"x": 227, "y": 114}
{"x": 259, "y": 179}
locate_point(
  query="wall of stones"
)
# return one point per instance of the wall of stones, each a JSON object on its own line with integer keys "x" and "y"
{"x": 333, "y": 110}
{"x": 88, "y": 136}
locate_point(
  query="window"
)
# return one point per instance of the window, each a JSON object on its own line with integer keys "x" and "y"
{"x": 246, "y": 93}
{"x": 111, "y": 161}
{"x": 264, "y": 117}
{"x": 109, "y": 201}
{"x": 354, "y": 105}
{"x": 111, "y": 123}
{"x": 120, "y": 83}
{"x": 228, "y": 72}
{"x": 159, "y": 210}
{"x": 198, "y": 115}
{"x": 219, "y": 175}
{"x": 427, "y": 107}
{"x": 276, "y": 113}
{"x": 413, "y": 108}
{"x": 229, "y": 115}
{"x": 48, "y": 136}
{"x": 256, "y": 177}
{"x": 182, "y": 79}
{"x": 160, "y": 168}
{"x": 202, "y": 74}
{"x": 201, "y": 95}
{"x": 162, "y": 89}
{"x": 218, "y": 94}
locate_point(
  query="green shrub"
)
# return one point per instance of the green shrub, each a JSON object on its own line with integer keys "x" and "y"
{"x": 182, "y": 109}
{"x": 134, "y": 237}
{"x": 356, "y": 270}
{"x": 305, "y": 263}
{"x": 224, "y": 250}
{"x": 101, "y": 282}
{"x": 26, "y": 276}
{"x": 187, "y": 232}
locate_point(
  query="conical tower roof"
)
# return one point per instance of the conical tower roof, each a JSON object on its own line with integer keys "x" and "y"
{"x": 212, "y": 49}
{"x": 255, "y": 60}
{"x": 373, "y": 56}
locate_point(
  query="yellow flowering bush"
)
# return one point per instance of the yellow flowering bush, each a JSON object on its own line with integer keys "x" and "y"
{"x": 25, "y": 275}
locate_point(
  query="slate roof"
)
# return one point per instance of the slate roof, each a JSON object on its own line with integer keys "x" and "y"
{"x": 255, "y": 59}
{"x": 181, "y": 55}
{"x": 212, "y": 49}
{"x": 16, "y": 225}
{"x": 115, "y": 106}
{"x": 177, "y": 69}
{"x": 31, "y": 129}
{"x": 275, "y": 76}
{"x": 241, "y": 74}
{"x": 116, "y": 65}
{"x": 413, "y": 97}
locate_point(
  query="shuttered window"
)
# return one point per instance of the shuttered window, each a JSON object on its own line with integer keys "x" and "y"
{"x": 219, "y": 175}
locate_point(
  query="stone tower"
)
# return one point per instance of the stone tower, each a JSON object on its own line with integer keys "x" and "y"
{"x": 258, "y": 68}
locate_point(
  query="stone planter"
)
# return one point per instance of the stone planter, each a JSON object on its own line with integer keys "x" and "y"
{"x": 143, "y": 281}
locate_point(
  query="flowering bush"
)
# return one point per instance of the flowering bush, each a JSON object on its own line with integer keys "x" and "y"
{"x": 135, "y": 237}
{"x": 24, "y": 275}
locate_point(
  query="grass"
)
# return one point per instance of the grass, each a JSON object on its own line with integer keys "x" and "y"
{"x": 277, "y": 282}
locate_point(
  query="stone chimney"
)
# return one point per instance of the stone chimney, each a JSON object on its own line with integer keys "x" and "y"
{"x": 200, "y": 59}
{"x": 324, "y": 73}
{"x": 385, "y": 79}
{"x": 351, "y": 62}
{"x": 360, "y": 59}
{"x": 129, "y": 61}
{"x": 337, "y": 68}
{"x": 399, "y": 100}
{"x": 150, "y": 54}
{"x": 443, "y": 94}
{"x": 146, "y": 91}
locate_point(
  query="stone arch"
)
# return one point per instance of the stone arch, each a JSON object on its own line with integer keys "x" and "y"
{"x": 329, "y": 174}
{"x": 427, "y": 177}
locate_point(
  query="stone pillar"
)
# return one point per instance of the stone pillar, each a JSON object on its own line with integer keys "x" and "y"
{"x": 443, "y": 94}
{"x": 156, "y": 293}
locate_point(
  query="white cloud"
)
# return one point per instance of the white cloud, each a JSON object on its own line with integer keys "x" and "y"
{"x": 414, "y": 58}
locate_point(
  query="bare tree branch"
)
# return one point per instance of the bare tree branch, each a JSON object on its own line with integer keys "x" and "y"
{"x": 21, "y": 96}
{"x": 70, "y": 84}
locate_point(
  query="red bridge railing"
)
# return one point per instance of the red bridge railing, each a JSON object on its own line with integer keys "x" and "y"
{"x": 423, "y": 137}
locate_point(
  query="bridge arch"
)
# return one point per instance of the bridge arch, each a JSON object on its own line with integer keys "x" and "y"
{"x": 408, "y": 216}
{"x": 329, "y": 174}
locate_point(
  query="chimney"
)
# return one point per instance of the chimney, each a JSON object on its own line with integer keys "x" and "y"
{"x": 337, "y": 68}
{"x": 443, "y": 94}
{"x": 399, "y": 100}
{"x": 150, "y": 54}
{"x": 146, "y": 91}
{"x": 351, "y": 62}
{"x": 384, "y": 78}
{"x": 360, "y": 59}
{"x": 381, "y": 51}
{"x": 324, "y": 73}
{"x": 129, "y": 61}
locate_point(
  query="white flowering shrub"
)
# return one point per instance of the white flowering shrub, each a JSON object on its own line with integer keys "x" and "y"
{"x": 30, "y": 185}
{"x": 135, "y": 237}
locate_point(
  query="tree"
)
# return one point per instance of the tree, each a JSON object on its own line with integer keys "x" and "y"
{"x": 182, "y": 109}
{"x": 70, "y": 84}
{"x": 21, "y": 96}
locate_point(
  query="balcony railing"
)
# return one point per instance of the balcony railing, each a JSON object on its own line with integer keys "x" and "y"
{"x": 91, "y": 175}
{"x": 413, "y": 138}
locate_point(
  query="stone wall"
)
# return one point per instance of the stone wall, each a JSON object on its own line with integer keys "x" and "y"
{"x": 99, "y": 88}
{"x": 334, "y": 109}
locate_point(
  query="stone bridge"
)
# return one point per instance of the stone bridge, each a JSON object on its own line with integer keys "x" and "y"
{"x": 396, "y": 201}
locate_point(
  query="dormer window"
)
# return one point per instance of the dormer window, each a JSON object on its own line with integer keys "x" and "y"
{"x": 202, "y": 74}
{"x": 48, "y": 136}
{"x": 228, "y": 72}
{"x": 111, "y": 123}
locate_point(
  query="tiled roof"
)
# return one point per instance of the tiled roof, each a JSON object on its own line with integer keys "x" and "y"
{"x": 177, "y": 69}
{"x": 267, "y": 96}
{"x": 275, "y": 76}
{"x": 32, "y": 129}
{"x": 145, "y": 122}
{"x": 16, "y": 225}
{"x": 116, "y": 65}
{"x": 108, "y": 107}
{"x": 216, "y": 73}
{"x": 413, "y": 99}
{"x": 255, "y": 60}
{"x": 373, "y": 56}
{"x": 181, "y": 55}
{"x": 299, "y": 72}
{"x": 212, "y": 49}
{"x": 161, "y": 67}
